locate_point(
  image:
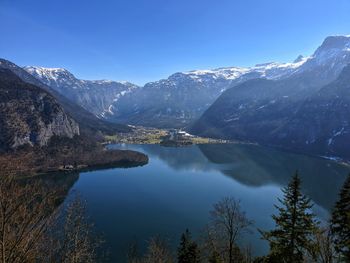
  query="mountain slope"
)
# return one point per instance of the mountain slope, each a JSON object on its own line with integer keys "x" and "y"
{"x": 183, "y": 97}
{"x": 266, "y": 104}
{"x": 30, "y": 115}
{"x": 322, "y": 123}
{"x": 328, "y": 60}
{"x": 88, "y": 122}
{"x": 95, "y": 96}
{"x": 284, "y": 114}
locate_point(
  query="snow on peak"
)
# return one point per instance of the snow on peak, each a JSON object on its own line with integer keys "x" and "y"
{"x": 42, "y": 70}
{"x": 60, "y": 76}
{"x": 226, "y": 73}
{"x": 126, "y": 83}
{"x": 333, "y": 51}
{"x": 270, "y": 70}
{"x": 334, "y": 43}
{"x": 47, "y": 73}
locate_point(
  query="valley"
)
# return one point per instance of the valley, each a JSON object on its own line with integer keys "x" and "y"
{"x": 145, "y": 135}
{"x": 264, "y": 104}
{"x": 174, "y": 131}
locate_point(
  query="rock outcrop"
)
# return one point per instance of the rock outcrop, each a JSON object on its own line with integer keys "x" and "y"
{"x": 29, "y": 115}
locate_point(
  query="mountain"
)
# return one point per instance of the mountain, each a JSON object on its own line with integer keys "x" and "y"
{"x": 183, "y": 97}
{"x": 37, "y": 135}
{"x": 321, "y": 124}
{"x": 329, "y": 59}
{"x": 95, "y": 96}
{"x": 172, "y": 102}
{"x": 88, "y": 122}
{"x": 290, "y": 112}
{"x": 29, "y": 114}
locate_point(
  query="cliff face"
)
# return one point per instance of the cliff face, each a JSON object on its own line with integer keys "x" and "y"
{"x": 30, "y": 115}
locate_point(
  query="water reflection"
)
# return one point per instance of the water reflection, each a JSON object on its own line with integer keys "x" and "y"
{"x": 178, "y": 187}
{"x": 257, "y": 166}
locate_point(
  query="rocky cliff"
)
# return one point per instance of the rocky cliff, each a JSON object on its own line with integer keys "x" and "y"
{"x": 89, "y": 124}
{"x": 29, "y": 115}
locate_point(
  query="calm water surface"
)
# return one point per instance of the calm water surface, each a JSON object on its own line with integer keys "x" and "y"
{"x": 178, "y": 187}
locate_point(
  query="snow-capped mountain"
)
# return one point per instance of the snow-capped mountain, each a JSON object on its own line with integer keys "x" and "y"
{"x": 183, "y": 97}
{"x": 272, "y": 70}
{"x": 88, "y": 122}
{"x": 95, "y": 96}
{"x": 307, "y": 111}
{"x": 333, "y": 52}
{"x": 329, "y": 59}
{"x": 54, "y": 77}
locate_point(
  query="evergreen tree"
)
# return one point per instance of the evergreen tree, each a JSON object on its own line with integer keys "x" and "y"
{"x": 340, "y": 223}
{"x": 295, "y": 224}
{"x": 188, "y": 251}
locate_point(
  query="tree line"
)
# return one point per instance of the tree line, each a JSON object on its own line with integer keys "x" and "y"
{"x": 298, "y": 236}
{"x": 37, "y": 226}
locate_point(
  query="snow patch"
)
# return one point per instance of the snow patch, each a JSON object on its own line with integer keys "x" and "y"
{"x": 335, "y": 134}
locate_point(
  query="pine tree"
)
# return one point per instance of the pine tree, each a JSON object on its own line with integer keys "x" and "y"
{"x": 188, "y": 251}
{"x": 295, "y": 224}
{"x": 340, "y": 223}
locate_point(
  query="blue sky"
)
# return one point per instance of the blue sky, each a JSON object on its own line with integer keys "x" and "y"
{"x": 145, "y": 40}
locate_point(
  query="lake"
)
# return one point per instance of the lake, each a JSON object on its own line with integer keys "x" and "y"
{"x": 179, "y": 186}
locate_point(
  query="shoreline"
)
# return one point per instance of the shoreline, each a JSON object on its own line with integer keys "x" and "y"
{"x": 337, "y": 160}
{"x": 32, "y": 163}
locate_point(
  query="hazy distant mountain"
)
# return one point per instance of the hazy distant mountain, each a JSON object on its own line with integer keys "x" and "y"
{"x": 329, "y": 59}
{"x": 322, "y": 123}
{"x": 95, "y": 96}
{"x": 88, "y": 122}
{"x": 183, "y": 97}
{"x": 29, "y": 114}
{"x": 296, "y": 112}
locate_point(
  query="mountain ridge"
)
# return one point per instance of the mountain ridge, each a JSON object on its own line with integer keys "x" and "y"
{"x": 165, "y": 104}
{"x": 95, "y": 96}
{"x": 184, "y": 96}
{"x": 89, "y": 123}
{"x": 315, "y": 123}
